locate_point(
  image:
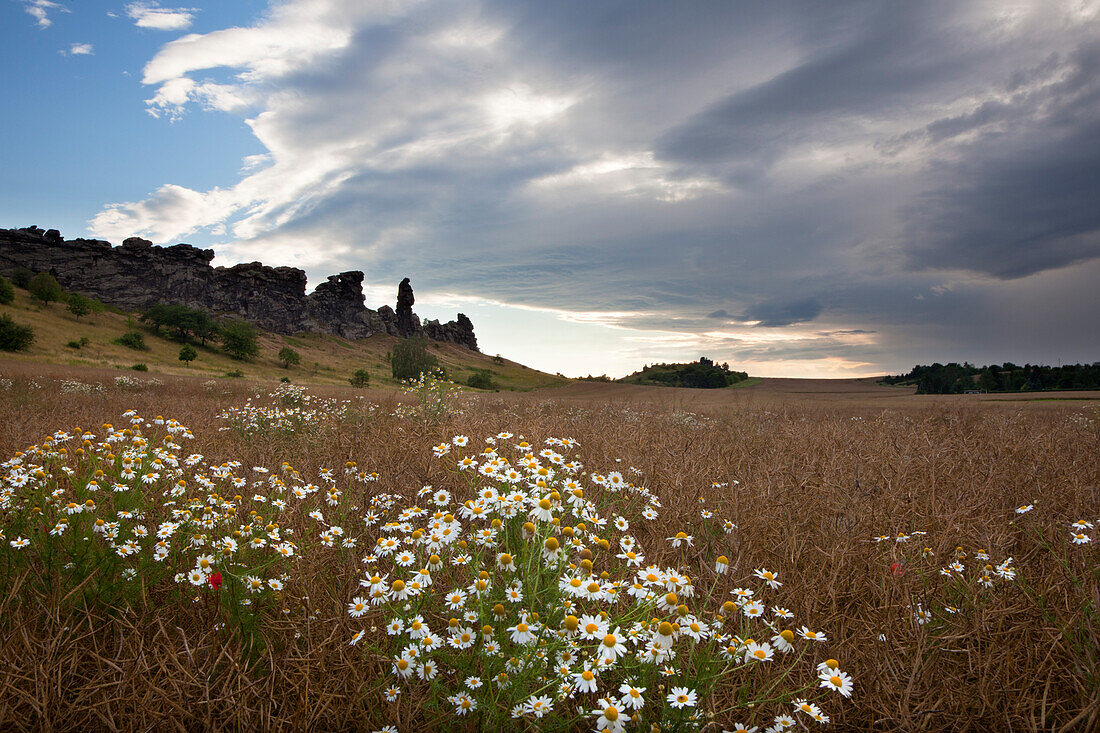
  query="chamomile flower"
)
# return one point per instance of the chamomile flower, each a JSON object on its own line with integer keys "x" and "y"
{"x": 681, "y": 697}
{"x": 358, "y": 606}
{"x": 836, "y": 680}
{"x": 755, "y": 652}
{"x": 770, "y": 578}
{"x": 807, "y": 633}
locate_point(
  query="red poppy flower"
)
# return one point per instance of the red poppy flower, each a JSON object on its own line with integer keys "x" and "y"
{"x": 216, "y": 580}
{"x": 896, "y": 569}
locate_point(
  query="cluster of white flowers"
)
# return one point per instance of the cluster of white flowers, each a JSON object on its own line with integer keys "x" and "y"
{"x": 529, "y": 597}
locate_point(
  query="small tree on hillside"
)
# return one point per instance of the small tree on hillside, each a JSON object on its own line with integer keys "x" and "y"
{"x": 14, "y": 336}
{"x": 79, "y": 306}
{"x": 44, "y": 287}
{"x": 361, "y": 378}
{"x": 239, "y": 340}
{"x": 289, "y": 357}
{"x": 7, "y": 291}
{"x": 21, "y": 277}
{"x": 188, "y": 354}
{"x": 410, "y": 358}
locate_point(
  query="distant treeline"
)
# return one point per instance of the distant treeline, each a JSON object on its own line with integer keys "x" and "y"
{"x": 957, "y": 378}
{"x": 704, "y": 374}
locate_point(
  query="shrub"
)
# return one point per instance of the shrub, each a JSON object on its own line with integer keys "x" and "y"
{"x": 239, "y": 340}
{"x": 14, "y": 336}
{"x": 78, "y": 305}
{"x": 285, "y": 380}
{"x": 7, "y": 291}
{"x": 188, "y": 354}
{"x": 410, "y": 359}
{"x": 78, "y": 343}
{"x": 181, "y": 321}
{"x": 21, "y": 277}
{"x": 44, "y": 287}
{"x": 140, "y": 368}
{"x": 132, "y": 340}
{"x": 289, "y": 357}
{"x": 480, "y": 380}
{"x": 235, "y": 374}
{"x": 361, "y": 378}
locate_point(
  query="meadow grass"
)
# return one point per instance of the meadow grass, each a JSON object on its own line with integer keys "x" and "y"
{"x": 901, "y": 534}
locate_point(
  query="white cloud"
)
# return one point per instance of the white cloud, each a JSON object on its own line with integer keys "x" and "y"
{"x": 40, "y": 10}
{"x": 81, "y": 49}
{"x": 171, "y": 212}
{"x": 151, "y": 15}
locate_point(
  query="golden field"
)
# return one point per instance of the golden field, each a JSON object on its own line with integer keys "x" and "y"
{"x": 809, "y": 471}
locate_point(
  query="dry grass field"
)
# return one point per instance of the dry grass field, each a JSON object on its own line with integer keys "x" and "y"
{"x": 810, "y": 472}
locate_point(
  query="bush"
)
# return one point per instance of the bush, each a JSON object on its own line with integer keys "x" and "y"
{"x": 181, "y": 321}
{"x": 188, "y": 354}
{"x": 132, "y": 340}
{"x": 7, "y": 291}
{"x": 78, "y": 343}
{"x": 79, "y": 306}
{"x": 285, "y": 380}
{"x": 235, "y": 374}
{"x": 21, "y": 277}
{"x": 480, "y": 380}
{"x": 239, "y": 340}
{"x": 140, "y": 368}
{"x": 289, "y": 357}
{"x": 410, "y": 359}
{"x": 44, "y": 287}
{"x": 14, "y": 336}
{"x": 361, "y": 378}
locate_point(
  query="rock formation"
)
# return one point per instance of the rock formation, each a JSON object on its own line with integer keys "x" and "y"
{"x": 138, "y": 274}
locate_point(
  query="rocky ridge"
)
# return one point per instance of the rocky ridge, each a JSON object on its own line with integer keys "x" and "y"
{"x": 138, "y": 274}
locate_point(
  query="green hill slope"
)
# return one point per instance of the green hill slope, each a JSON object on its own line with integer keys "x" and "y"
{"x": 324, "y": 359}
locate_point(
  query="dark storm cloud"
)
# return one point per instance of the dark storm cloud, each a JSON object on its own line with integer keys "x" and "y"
{"x": 783, "y": 313}
{"x": 878, "y": 57}
{"x": 778, "y": 313}
{"x": 1022, "y": 197}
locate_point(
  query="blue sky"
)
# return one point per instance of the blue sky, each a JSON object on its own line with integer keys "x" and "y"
{"x": 797, "y": 188}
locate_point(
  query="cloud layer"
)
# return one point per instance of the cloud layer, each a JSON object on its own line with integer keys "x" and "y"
{"x": 861, "y": 185}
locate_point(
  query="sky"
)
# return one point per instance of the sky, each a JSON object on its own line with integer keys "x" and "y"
{"x": 799, "y": 189}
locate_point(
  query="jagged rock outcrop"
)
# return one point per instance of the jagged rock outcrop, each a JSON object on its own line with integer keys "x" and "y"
{"x": 137, "y": 274}
{"x": 406, "y": 325}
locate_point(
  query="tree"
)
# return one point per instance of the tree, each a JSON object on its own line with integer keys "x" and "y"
{"x": 361, "y": 378}
{"x": 133, "y": 340}
{"x": 410, "y": 359}
{"x": 7, "y": 291}
{"x": 79, "y": 306}
{"x": 44, "y": 287}
{"x": 14, "y": 336}
{"x": 289, "y": 357}
{"x": 481, "y": 379}
{"x": 21, "y": 277}
{"x": 188, "y": 354}
{"x": 181, "y": 321}
{"x": 239, "y": 340}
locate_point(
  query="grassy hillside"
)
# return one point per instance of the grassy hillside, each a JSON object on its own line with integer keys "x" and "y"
{"x": 325, "y": 359}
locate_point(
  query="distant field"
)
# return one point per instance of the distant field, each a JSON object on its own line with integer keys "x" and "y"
{"x": 809, "y": 471}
